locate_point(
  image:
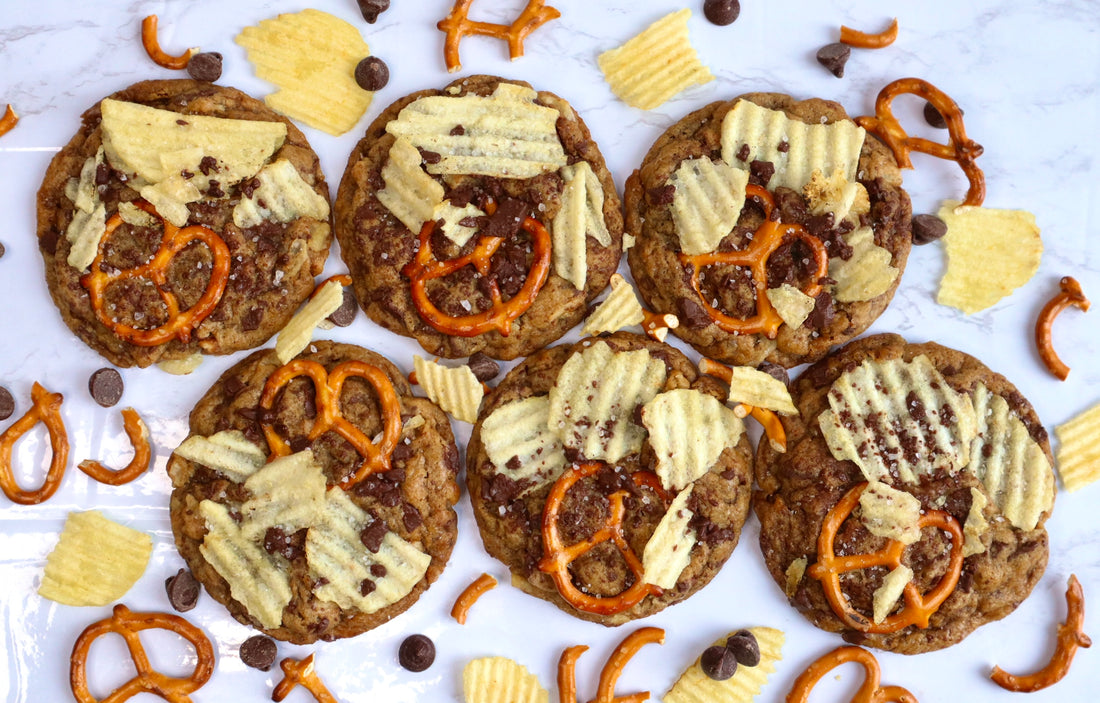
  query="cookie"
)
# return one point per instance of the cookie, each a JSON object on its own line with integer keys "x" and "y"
{"x": 831, "y": 212}
{"x": 278, "y": 527}
{"x": 502, "y": 170}
{"x": 250, "y": 179}
{"x": 933, "y": 433}
{"x": 576, "y": 432}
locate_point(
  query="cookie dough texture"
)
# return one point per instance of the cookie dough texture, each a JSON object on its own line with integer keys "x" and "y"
{"x": 797, "y": 489}
{"x": 272, "y": 265}
{"x": 664, "y": 283}
{"x": 510, "y": 522}
{"x": 376, "y": 246}
{"x": 414, "y": 498}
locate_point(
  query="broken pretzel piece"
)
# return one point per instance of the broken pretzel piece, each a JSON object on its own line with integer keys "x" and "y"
{"x": 8, "y": 121}
{"x": 138, "y": 434}
{"x": 152, "y": 47}
{"x": 457, "y": 24}
{"x": 301, "y": 673}
{"x": 481, "y": 585}
{"x": 1070, "y": 294}
{"x": 870, "y": 691}
{"x": 864, "y": 40}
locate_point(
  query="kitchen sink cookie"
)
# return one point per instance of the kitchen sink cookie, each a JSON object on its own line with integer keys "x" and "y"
{"x": 772, "y": 227}
{"x": 908, "y": 509}
{"x": 479, "y": 217}
{"x": 183, "y": 218}
{"x": 314, "y": 499}
{"x": 609, "y": 477}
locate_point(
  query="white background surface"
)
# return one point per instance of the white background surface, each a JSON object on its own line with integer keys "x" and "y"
{"x": 1026, "y": 74}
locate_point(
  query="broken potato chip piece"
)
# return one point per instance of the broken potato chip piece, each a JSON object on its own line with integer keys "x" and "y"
{"x": 228, "y": 452}
{"x": 688, "y": 430}
{"x": 518, "y": 433}
{"x": 867, "y": 273}
{"x": 620, "y": 309}
{"x": 887, "y": 512}
{"x": 1079, "y": 449}
{"x": 580, "y": 215}
{"x": 454, "y": 389}
{"x": 501, "y": 680}
{"x": 706, "y": 203}
{"x": 299, "y": 331}
{"x": 95, "y": 562}
{"x": 668, "y": 551}
{"x": 792, "y": 305}
{"x": 761, "y": 390}
{"x": 694, "y": 686}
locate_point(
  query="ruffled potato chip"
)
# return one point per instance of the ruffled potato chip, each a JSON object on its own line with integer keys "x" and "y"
{"x": 411, "y": 195}
{"x": 580, "y": 215}
{"x": 792, "y": 305}
{"x": 288, "y": 492}
{"x": 867, "y": 273}
{"x": 228, "y": 452}
{"x": 886, "y": 596}
{"x": 521, "y": 445}
{"x": 668, "y": 551}
{"x": 1079, "y": 449}
{"x": 688, "y": 430}
{"x": 694, "y": 686}
{"x": 454, "y": 389}
{"x": 282, "y": 196}
{"x": 621, "y": 308}
{"x": 758, "y": 389}
{"x": 707, "y": 202}
{"x": 887, "y": 512}
{"x": 501, "y": 680}
{"x": 95, "y": 562}
{"x": 298, "y": 332}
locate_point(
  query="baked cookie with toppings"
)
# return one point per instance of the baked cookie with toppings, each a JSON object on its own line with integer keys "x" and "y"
{"x": 479, "y": 217}
{"x": 772, "y": 227}
{"x": 183, "y": 218}
{"x": 609, "y": 476}
{"x": 314, "y": 499}
{"x": 908, "y": 509}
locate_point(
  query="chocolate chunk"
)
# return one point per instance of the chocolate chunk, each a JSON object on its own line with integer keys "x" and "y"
{"x": 206, "y": 66}
{"x": 775, "y": 371}
{"x": 743, "y": 153}
{"x": 377, "y": 571}
{"x": 721, "y": 12}
{"x": 7, "y": 403}
{"x": 249, "y": 186}
{"x": 927, "y": 229}
{"x": 372, "y": 8}
{"x": 259, "y": 652}
{"x": 718, "y": 663}
{"x": 507, "y": 219}
{"x": 102, "y": 174}
{"x": 277, "y": 541}
{"x": 933, "y": 117}
{"x": 484, "y": 368}
{"x": 372, "y": 73}
{"x": 429, "y": 157}
{"x": 783, "y": 147}
{"x": 233, "y": 386}
{"x": 373, "y": 534}
{"x": 416, "y": 653}
{"x": 349, "y": 308}
{"x": 208, "y": 165}
{"x": 183, "y": 590}
{"x": 214, "y": 190}
{"x": 48, "y": 242}
{"x": 744, "y": 647}
{"x": 105, "y": 385}
{"x": 833, "y": 57}
{"x": 366, "y": 587}
{"x": 411, "y": 517}
{"x": 252, "y": 319}
{"x": 692, "y": 313}
{"x": 760, "y": 172}
{"x": 458, "y": 130}
{"x": 822, "y": 314}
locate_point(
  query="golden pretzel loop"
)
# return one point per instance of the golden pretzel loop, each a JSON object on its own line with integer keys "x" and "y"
{"x": 47, "y": 410}
{"x": 869, "y": 691}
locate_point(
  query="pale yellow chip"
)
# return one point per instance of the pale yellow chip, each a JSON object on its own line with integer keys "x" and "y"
{"x": 311, "y": 56}
{"x": 887, "y": 512}
{"x": 255, "y": 580}
{"x": 886, "y": 596}
{"x": 1079, "y": 449}
{"x": 501, "y": 680}
{"x": 976, "y": 524}
{"x": 795, "y": 571}
{"x": 1014, "y": 470}
{"x": 84, "y": 234}
{"x": 668, "y": 551}
{"x": 688, "y": 430}
{"x": 455, "y": 389}
{"x": 867, "y": 273}
{"x": 707, "y": 202}
{"x": 518, "y": 432}
{"x": 593, "y": 399}
{"x": 95, "y": 562}
{"x": 170, "y": 198}
{"x": 504, "y": 135}
{"x": 336, "y": 554}
{"x": 990, "y": 253}
{"x": 656, "y": 64}
{"x": 136, "y": 136}
{"x": 452, "y": 217}
{"x": 620, "y": 309}
{"x": 289, "y": 493}
{"x": 918, "y": 411}
{"x": 792, "y": 305}
{"x": 82, "y": 191}
{"x": 694, "y": 686}
{"x": 411, "y": 195}
{"x": 299, "y": 331}
{"x": 580, "y": 215}
{"x": 282, "y": 196}
{"x": 837, "y": 195}
{"x": 828, "y": 148}
{"x": 133, "y": 215}
{"x": 181, "y": 367}
{"x": 228, "y": 452}
{"x": 753, "y": 387}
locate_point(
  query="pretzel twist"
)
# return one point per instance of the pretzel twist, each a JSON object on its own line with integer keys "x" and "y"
{"x": 768, "y": 237}
{"x": 46, "y": 409}
{"x": 301, "y": 673}
{"x": 8, "y": 121}
{"x": 1070, "y": 293}
{"x": 148, "y": 680}
{"x": 138, "y": 434}
{"x": 918, "y": 607}
{"x": 870, "y": 691}
{"x": 457, "y": 24}
{"x": 152, "y": 47}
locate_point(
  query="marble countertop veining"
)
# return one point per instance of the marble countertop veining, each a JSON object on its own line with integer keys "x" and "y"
{"x": 1027, "y": 75}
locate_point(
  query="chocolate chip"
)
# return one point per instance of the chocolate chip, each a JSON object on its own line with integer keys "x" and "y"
{"x": 692, "y": 314}
{"x": 416, "y": 653}
{"x": 760, "y": 172}
{"x": 933, "y": 117}
{"x": 833, "y": 57}
{"x": 206, "y": 66}
{"x": 183, "y": 590}
{"x": 366, "y": 587}
{"x": 7, "y": 403}
{"x": 429, "y": 157}
{"x": 458, "y": 130}
{"x": 484, "y": 368}
{"x": 744, "y": 647}
{"x": 105, "y": 385}
{"x": 411, "y": 517}
{"x": 349, "y": 308}
{"x": 259, "y": 652}
{"x": 927, "y": 229}
{"x": 372, "y": 8}
{"x": 2, "y": 250}
{"x": 372, "y": 535}
{"x": 377, "y": 571}
{"x": 743, "y": 153}
{"x": 372, "y": 73}
{"x": 718, "y": 663}
{"x": 775, "y": 371}
{"x": 721, "y": 12}
{"x": 208, "y": 165}
{"x": 214, "y": 190}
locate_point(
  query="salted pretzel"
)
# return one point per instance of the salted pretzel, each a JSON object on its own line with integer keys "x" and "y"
{"x": 301, "y": 673}
{"x": 179, "y": 325}
{"x": 870, "y": 691}
{"x": 8, "y": 121}
{"x": 46, "y": 409}
{"x": 327, "y": 386}
{"x": 152, "y": 47}
{"x": 768, "y": 237}
{"x": 138, "y": 434}
{"x": 148, "y": 680}
{"x": 1070, "y": 294}
{"x": 500, "y": 316}
{"x": 773, "y": 426}
{"x": 457, "y": 24}
{"x": 919, "y": 607}
{"x": 557, "y": 556}
{"x": 960, "y": 148}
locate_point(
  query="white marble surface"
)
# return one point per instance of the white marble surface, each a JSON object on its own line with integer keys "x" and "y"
{"x": 1027, "y": 74}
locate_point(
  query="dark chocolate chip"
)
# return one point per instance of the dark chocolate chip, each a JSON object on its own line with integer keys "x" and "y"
{"x": 743, "y": 153}
{"x": 105, "y": 385}
{"x": 933, "y": 117}
{"x": 372, "y": 8}
{"x": 48, "y": 241}
{"x": 927, "y": 229}
{"x": 458, "y": 130}
{"x": 760, "y": 172}
{"x": 377, "y": 571}
{"x": 429, "y": 157}
{"x": 183, "y": 590}
{"x": 2, "y": 250}
{"x": 775, "y": 371}
{"x": 372, "y": 535}
{"x": 259, "y": 652}
{"x": 372, "y": 73}
{"x": 833, "y": 57}
{"x": 484, "y": 368}
{"x": 366, "y": 587}
{"x": 411, "y": 517}
{"x": 783, "y": 147}
{"x": 7, "y": 403}
{"x": 416, "y": 653}
{"x": 721, "y": 12}
{"x": 718, "y": 663}
{"x": 744, "y": 647}
{"x": 692, "y": 314}
{"x": 206, "y": 66}
{"x": 214, "y": 190}
{"x": 349, "y": 308}
{"x": 208, "y": 165}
